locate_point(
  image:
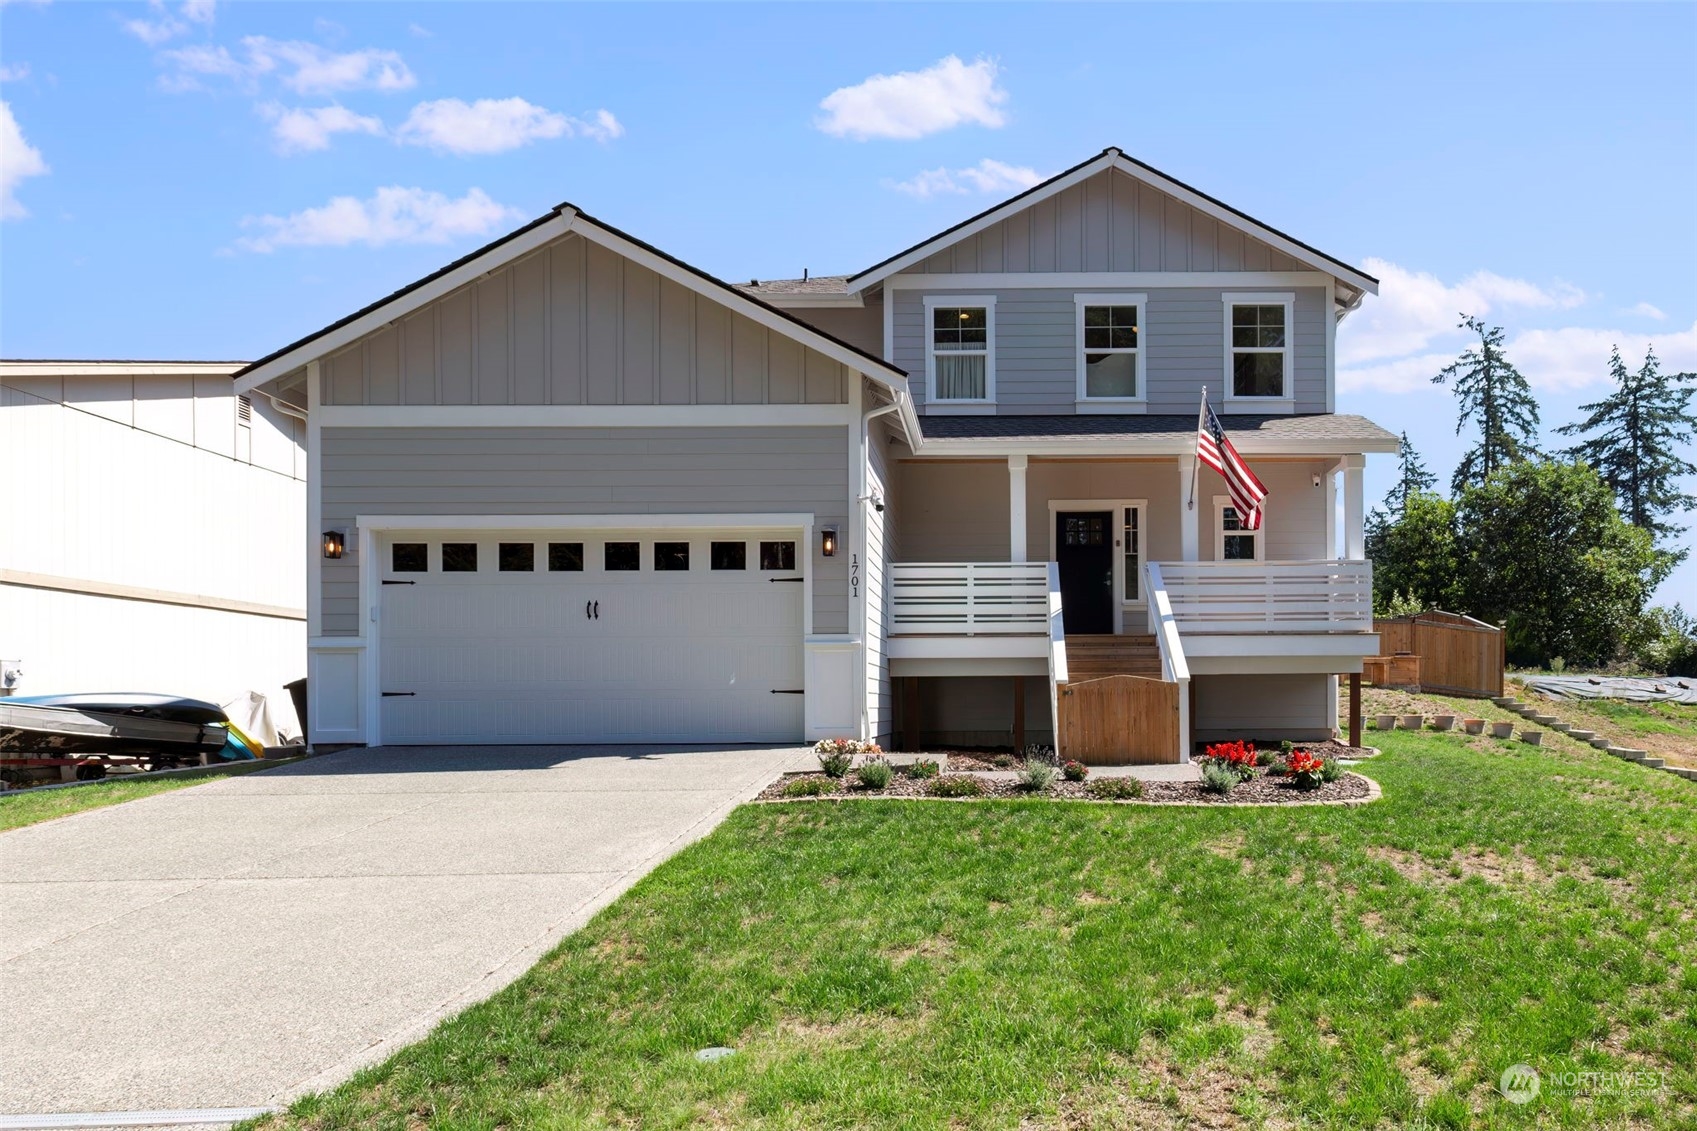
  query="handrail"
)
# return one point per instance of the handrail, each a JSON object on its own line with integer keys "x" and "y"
{"x": 1174, "y": 667}
{"x": 967, "y": 598}
{"x": 1271, "y": 597}
{"x": 1057, "y": 653}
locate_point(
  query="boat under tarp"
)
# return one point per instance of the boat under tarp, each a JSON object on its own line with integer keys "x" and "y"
{"x": 112, "y": 723}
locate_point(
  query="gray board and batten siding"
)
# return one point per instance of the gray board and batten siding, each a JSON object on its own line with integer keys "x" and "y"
{"x": 576, "y": 323}
{"x": 586, "y": 471}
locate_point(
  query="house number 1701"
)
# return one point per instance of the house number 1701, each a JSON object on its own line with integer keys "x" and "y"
{"x": 854, "y": 576}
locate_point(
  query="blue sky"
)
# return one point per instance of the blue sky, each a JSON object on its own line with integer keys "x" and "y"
{"x": 212, "y": 181}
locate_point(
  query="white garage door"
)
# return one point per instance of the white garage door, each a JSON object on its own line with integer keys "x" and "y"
{"x": 552, "y": 636}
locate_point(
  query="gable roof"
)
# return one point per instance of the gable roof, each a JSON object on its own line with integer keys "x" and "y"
{"x": 565, "y": 219}
{"x": 1114, "y": 158}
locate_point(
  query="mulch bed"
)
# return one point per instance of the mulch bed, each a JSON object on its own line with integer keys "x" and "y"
{"x": 1260, "y": 790}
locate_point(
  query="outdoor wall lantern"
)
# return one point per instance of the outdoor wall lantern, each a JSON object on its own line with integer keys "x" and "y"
{"x": 828, "y": 541}
{"x": 333, "y": 544}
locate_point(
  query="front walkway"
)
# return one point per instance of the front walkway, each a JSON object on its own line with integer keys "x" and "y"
{"x": 235, "y": 943}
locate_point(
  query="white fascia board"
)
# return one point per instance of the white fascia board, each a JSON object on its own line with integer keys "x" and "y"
{"x": 1106, "y": 280}
{"x": 1142, "y": 446}
{"x": 735, "y": 300}
{"x": 119, "y": 368}
{"x": 585, "y": 416}
{"x": 329, "y": 343}
{"x": 933, "y": 246}
{"x": 788, "y": 521}
{"x": 1226, "y": 216}
{"x": 814, "y": 302}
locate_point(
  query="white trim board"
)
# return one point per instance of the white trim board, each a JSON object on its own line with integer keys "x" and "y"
{"x": 584, "y": 416}
{"x": 119, "y": 368}
{"x": 1107, "y": 280}
{"x": 1112, "y": 158}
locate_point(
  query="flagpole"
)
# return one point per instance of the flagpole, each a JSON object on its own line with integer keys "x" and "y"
{"x": 1195, "y": 463}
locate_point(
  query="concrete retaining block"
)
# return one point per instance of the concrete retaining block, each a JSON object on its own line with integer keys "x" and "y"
{"x": 1601, "y": 743}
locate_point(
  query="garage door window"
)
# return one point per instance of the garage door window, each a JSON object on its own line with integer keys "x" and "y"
{"x": 777, "y": 555}
{"x": 730, "y": 555}
{"x": 518, "y": 557}
{"x": 410, "y": 557}
{"x": 671, "y": 555}
{"x": 565, "y": 557}
{"x": 459, "y": 557}
{"x": 621, "y": 556}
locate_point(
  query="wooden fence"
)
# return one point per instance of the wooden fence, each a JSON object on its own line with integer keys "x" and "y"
{"x": 1118, "y": 720}
{"x": 1458, "y": 655}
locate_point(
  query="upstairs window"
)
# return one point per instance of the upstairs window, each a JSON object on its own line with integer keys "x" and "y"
{"x": 1258, "y": 347}
{"x": 1110, "y": 357}
{"x": 959, "y": 349}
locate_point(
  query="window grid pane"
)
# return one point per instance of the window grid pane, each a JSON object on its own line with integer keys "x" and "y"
{"x": 459, "y": 557}
{"x": 960, "y": 377}
{"x": 728, "y": 555}
{"x": 671, "y": 555}
{"x": 409, "y": 557}
{"x": 1133, "y": 560}
{"x": 565, "y": 557}
{"x": 777, "y": 555}
{"x": 516, "y": 557}
{"x": 621, "y": 556}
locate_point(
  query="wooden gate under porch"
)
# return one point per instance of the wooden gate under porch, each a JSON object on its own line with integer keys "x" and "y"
{"x": 1118, "y": 720}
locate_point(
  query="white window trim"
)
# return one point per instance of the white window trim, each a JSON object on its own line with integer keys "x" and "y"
{"x": 988, "y": 302}
{"x": 1221, "y": 502}
{"x": 1285, "y": 403}
{"x": 1117, "y": 506}
{"x": 1084, "y": 401}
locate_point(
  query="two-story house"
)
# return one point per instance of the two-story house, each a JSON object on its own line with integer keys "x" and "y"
{"x": 571, "y": 489}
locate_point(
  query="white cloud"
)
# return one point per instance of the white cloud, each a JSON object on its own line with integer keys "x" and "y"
{"x": 14, "y": 72}
{"x": 1415, "y": 308}
{"x": 1399, "y": 340}
{"x": 495, "y": 125}
{"x": 1648, "y": 310}
{"x": 301, "y": 130}
{"x": 305, "y": 68}
{"x": 164, "y": 25}
{"x": 986, "y": 177}
{"x": 18, "y": 160}
{"x": 915, "y": 103}
{"x": 392, "y": 215}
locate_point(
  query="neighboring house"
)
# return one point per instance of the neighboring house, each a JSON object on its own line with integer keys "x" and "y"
{"x": 585, "y": 492}
{"x": 151, "y": 539}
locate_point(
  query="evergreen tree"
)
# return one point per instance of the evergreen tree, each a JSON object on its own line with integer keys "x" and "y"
{"x": 1494, "y": 394}
{"x": 1412, "y": 478}
{"x": 1640, "y": 430}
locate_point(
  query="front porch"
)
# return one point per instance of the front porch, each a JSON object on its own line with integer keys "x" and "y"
{"x": 1028, "y": 576}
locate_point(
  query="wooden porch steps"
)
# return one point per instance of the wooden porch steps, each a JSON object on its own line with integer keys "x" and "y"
{"x": 1092, "y": 657}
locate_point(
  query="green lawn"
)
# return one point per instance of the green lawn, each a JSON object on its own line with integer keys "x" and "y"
{"x": 1646, "y": 718}
{"x": 28, "y": 807}
{"x": 1042, "y": 965}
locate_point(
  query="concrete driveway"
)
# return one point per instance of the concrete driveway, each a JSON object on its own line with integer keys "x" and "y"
{"x": 235, "y": 943}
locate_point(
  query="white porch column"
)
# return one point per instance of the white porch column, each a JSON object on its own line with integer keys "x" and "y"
{"x": 1016, "y": 507}
{"x": 1354, "y": 508}
{"x": 1189, "y": 518}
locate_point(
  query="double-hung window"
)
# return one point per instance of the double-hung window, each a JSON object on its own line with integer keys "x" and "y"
{"x": 1258, "y": 349}
{"x": 1232, "y": 541}
{"x": 1110, "y": 352}
{"x": 960, "y": 349}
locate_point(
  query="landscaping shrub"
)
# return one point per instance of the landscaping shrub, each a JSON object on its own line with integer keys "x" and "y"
{"x": 1037, "y": 752}
{"x": 1287, "y": 747}
{"x": 1278, "y": 765}
{"x": 1115, "y": 789}
{"x": 1003, "y": 761}
{"x": 1075, "y": 771}
{"x": 922, "y": 768}
{"x": 955, "y": 787}
{"x": 875, "y": 773}
{"x": 809, "y": 787}
{"x": 1330, "y": 769}
{"x": 1218, "y": 777}
{"x": 1236, "y": 757}
{"x": 834, "y": 760}
{"x": 1036, "y": 776}
{"x": 1306, "y": 770}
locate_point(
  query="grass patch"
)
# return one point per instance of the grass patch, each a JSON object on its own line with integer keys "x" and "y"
{"x": 29, "y": 807}
{"x": 1048, "y": 965}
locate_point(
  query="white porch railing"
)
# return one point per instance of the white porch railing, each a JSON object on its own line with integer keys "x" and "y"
{"x": 969, "y": 598}
{"x": 1174, "y": 667}
{"x": 1252, "y": 597}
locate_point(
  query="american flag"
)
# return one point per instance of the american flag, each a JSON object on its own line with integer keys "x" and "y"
{"x": 1213, "y": 449}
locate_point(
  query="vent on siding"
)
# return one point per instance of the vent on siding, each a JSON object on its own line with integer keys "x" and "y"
{"x": 244, "y": 411}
